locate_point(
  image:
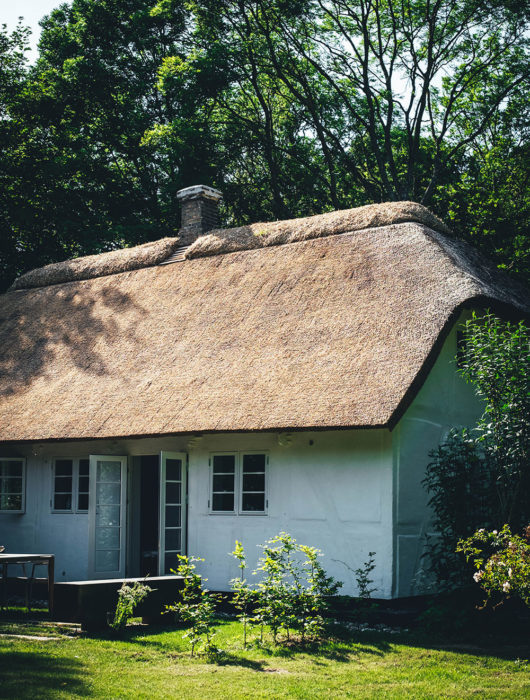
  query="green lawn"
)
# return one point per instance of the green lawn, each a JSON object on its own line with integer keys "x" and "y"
{"x": 156, "y": 664}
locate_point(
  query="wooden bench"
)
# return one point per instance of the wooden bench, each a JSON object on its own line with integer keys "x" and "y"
{"x": 89, "y": 602}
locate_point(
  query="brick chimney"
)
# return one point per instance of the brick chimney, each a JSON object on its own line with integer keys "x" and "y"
{"x": 199, "y": 213}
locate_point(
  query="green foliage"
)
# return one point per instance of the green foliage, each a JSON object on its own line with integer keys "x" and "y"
{"x": 291, "y": 595}
{"x": 196, "y": 607}
{"x": 291, "y": 107}
{"x": 481, "y": 477}
{"x": 128, "y": 599}
{"x": 362, "y": 577}
{"x": 244, "y": 595}
{"x": 502, "y": 563}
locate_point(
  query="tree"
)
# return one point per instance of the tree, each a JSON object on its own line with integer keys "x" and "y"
{"x": 480, "y": 477}
{"x": 291, "y": 107}
{"x": 91, "y": 174}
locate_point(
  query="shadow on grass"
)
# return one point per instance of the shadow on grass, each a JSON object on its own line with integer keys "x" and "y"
{"x": 34, "y": 675}
{"x": 506, "y": 647}
{"x": 229, "y": 659}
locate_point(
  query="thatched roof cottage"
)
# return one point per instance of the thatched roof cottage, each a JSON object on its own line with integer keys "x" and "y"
{"x": 231, "y": 383}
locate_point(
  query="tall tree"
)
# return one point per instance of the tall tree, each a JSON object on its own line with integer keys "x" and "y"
{"x": 291, "y": 107}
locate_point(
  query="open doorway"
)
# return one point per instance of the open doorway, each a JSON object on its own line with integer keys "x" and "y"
{"x": 157, "y": 513}
{"x": 149, "y": 466}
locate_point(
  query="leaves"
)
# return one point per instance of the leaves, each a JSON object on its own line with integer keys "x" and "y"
{"x": 480, "y": 477}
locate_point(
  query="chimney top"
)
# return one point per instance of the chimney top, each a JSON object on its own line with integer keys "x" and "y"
{"x": 199, "y": 213}
{"x": 199, "y": 191}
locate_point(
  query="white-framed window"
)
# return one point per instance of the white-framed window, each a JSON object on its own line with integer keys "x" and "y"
{"x": 70, "y": 485}
{"x": 12, "y": 485}
{"x": 238, "y": 483}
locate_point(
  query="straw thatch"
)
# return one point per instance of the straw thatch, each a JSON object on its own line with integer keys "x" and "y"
{"x": 293, "y": 230}
{"x": 229, "y": 240}
{"x": 91, "y": 266}
{"x": 332, "y": 332}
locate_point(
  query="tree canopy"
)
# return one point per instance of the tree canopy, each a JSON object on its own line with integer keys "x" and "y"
{"x": 290, "y": 107}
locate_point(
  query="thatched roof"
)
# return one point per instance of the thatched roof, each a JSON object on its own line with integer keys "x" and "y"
{"x": 337, "y": 331}
{"x": 91, "y": 266}
{"x": 228, "y": 240}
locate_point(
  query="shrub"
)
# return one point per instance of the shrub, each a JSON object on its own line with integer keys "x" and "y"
{"x": 480, "y": 477}
{"x": 128, "y": 599}
{"x": 502, "y": 563}
{"x": 196, "y": 607}
{"x": 291, "y": 594}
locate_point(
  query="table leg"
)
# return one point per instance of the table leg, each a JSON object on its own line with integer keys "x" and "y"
{"x": 4, "y": 585}
{"x": 51, "y": 581}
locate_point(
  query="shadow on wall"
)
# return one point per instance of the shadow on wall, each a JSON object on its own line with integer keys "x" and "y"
{"x": 63, "y": 325}
{"x": 31, "y": 675}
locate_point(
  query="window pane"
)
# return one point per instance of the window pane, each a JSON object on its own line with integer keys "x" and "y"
{"x": 253, "y": 482}
{"x": 10, "y": 502}
{"x": 171, "y": 562}
{"x": 107, "y": 538}
{"x": 108, "y": 560}
{"x": 173, "y": 516}
{"x": 223, "y": 501}
{"x": 224, "y": 464}
{"x": 108, "y": 515}
{"x": 83, "y": 484}
{"x": 62, "y": 501}
{"x": 253, "y": 502}
{"x": 63, "y": 484}
{"x": 84, "y": 467}
{"x": 173, "y": 493}
{"x": 108, "y": 471}
{"x": 173, "y": 469}
{"x": 253, "y": 463}
{"x": 82, "y": 502}
{"x": 63, "y": 467}
{"x": 172, "y": 540}
{"x": 10, "y": 468}
{"x": 223, "y": 482}
{"x": 12, "y": 485}
{"x": 108, "y": 494}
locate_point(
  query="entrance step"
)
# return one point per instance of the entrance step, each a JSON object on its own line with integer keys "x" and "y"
{"x": 88, "y": 602}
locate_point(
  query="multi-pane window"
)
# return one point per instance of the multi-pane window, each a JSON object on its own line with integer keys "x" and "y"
{"x": 70, "y": 485}
{"x": 12, "y": 486}
{"x": 238, "y": 483}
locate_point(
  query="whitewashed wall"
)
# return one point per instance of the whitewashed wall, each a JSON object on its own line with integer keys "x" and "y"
{"x": 444, "y": 401}
{"x": 334, "y": 494}
{"x": 39, "y": 530}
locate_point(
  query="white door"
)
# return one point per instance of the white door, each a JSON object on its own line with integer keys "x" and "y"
{"x": 106, "y": 516}
{"x": 172, "y": 527}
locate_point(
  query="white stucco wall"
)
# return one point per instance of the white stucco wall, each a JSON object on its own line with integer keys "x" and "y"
{"x": 335, "y": 494}
{"x": 444, "y": 401}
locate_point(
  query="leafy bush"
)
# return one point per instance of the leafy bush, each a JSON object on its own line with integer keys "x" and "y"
{"x": 128, "y": 599}
{"x": 291, "y": 594}
{"x": 196, "y": 607}
{"x": 480, "y": 477}
{"x": 502, "y": 563}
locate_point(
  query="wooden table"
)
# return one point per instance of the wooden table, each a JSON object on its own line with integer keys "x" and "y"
{"x": 34, "y": 560}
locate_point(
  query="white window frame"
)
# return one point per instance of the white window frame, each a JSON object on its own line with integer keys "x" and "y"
{"x": 75, "y": 486}
{"x": 238, "y": 483}
{"x": 23, "y": 494}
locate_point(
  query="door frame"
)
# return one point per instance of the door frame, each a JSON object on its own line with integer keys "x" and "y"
{"x": 183, "y": 457}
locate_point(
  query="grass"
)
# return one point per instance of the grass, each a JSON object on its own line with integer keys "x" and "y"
{"x": 155, "y": 663}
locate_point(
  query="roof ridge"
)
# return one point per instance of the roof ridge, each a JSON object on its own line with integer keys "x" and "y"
{"x": 263, "y": 235}
{"x": 221, "y": 241}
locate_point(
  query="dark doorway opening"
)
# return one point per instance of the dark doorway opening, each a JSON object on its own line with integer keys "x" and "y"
{"x": 149, "y": 500}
